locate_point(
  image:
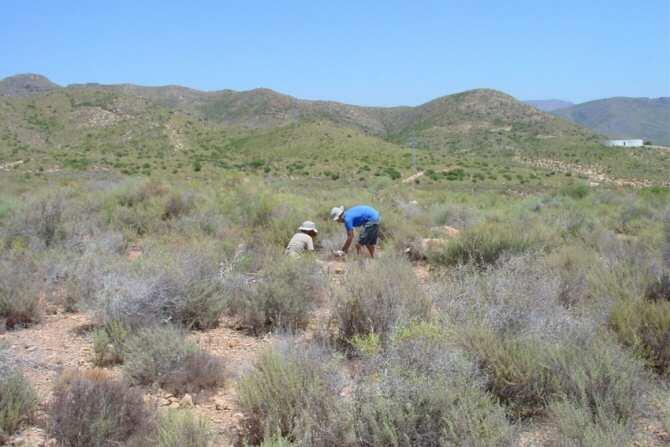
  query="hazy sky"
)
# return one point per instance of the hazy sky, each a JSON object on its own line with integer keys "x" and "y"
{"x": 363, "y": 52}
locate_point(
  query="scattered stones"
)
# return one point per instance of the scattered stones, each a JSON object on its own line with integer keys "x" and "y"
{"x": 186, "y": 401}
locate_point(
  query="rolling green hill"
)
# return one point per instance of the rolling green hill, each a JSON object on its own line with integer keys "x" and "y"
{"x": 175, "y": 130}
{"x": 25, "y": 84}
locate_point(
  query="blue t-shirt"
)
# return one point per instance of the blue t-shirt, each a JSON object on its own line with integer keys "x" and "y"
{"x": 359, "y": 216}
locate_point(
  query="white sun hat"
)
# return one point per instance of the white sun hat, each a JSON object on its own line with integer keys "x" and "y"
{"x": 308, "y": 225}
{"x": 336, "y": 212}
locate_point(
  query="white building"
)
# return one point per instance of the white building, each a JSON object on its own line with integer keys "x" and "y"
{"x": 625, "y": 143}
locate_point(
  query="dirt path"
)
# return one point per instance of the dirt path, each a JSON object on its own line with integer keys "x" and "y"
{"x": 411, "y": 178}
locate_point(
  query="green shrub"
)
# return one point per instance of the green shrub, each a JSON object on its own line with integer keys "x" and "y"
{"x": 527, "y": 374}
{"x": 177, "y": 205}
{"x": 163, "y": 355}
{"x": 575, "y": 190}
{"x": 454, "y": 215}
{"x": 517, "y": 373}
{"x": 18, "y": 401}
{"x": 276, "y": 441}
{"x": 599, "y": 377}
{"x": 183, "y": 288}
{"x": 180, "y": 428}
{"x": 576, "y": 425}
{"x": 423, "y": 392}
{"x": 40, "y": 222}
{"x": 292, "y": 392}
{"x": 19, "y": 291}
{"x": 487, "y": 242}
{"x": 91, "y": 409}
{"x": 280, "y": 297}
{"x": 375, "y": 298}
{"x": 108, "y": 344}
{"x": 645, "y": 327}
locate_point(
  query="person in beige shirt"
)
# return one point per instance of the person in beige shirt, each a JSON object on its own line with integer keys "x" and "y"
{"x": 303, "y": 240}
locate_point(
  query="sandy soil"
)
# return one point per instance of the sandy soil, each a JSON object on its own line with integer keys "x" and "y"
{"x": 63, "y": 340}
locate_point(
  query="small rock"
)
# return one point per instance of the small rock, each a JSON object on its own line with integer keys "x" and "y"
{"x": 186, "y": 401}
{"x": 31, "y": 348}
{"x": 220, "y": 405}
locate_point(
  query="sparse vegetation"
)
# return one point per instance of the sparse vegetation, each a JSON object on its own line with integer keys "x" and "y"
{"x": 18, "y": 401}
{"x": 162, "y": 355}
{"x": 292, "y": 393}
{"x": 90, "y": 408}
{"x": 183, "y": 429}
{"x": 376, "y": 297}
{"x": 19, "y": 291}
{"x": 422, "y": 392}
{"x": 280, "y": 297}
{"x": 548, "y": 309}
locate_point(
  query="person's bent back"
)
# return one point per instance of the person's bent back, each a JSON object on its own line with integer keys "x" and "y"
{"x": 303, "y": 240}
{"x": 359, "y": 216}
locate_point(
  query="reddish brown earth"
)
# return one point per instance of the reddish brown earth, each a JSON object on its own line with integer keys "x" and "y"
{"x": 63, "y": 340}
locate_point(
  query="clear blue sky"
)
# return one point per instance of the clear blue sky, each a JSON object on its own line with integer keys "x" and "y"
{"x": 374, "y": 53}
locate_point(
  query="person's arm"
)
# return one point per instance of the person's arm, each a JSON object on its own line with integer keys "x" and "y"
{"x": 310, "y": 244}
{"x": 350, "y": 238}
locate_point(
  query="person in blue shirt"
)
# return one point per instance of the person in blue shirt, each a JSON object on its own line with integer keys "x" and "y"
{"x": 358, "y": 216}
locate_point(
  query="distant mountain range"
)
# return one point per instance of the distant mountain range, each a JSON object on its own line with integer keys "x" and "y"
{"x": 644, "y": 118}
{"x": 549, "y": 105}
{"x": 620, "y": 117}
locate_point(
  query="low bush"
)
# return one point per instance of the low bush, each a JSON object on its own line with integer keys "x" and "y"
{"x": 163, "y": 355}
{"x": 422, "y": 392}
{"x": 573, "y": 266}
{"x": 109, "y": 344}
{"x": 292, "y": 392}
{"x": 184, "y": 289}
{"x": 177, "y": 205}
{"x": 517, "y": 373}
{"x": 576, "y": 425}
{"x": 180, "y": 428}
{"x": 375, "y": 298}
{"x": 454, "y": 215}
{"x": 645, "y": 327}
{"x": 527, "y": 374}
{"x": 520, "y": 297}
{"x": 19, "y": 291}
{"x": 276, "y": 441}
{"x": 18, "y": 401}
{"x": 39, "y": 223}
{"x": 91, "y": 409}
{"x": 486, "y": 243}
{"x": 576, "y": 190}
{"x": 279, "y": 297}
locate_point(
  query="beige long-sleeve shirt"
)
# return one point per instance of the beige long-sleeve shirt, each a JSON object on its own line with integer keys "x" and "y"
{"x": 299, "y": 243}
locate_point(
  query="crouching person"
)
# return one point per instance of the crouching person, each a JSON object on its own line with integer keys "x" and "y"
{"x": 358, "y": 216}
{"x": 303, "y": 240}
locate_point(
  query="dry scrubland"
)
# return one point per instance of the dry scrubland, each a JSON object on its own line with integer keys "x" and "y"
{"x": 545, "y": 322}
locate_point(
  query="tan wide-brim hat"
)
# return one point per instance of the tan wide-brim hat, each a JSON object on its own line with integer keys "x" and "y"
{"x": 308, "y": 225}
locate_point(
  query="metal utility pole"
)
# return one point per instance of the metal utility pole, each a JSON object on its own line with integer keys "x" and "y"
{"x": 412, "y": 144}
